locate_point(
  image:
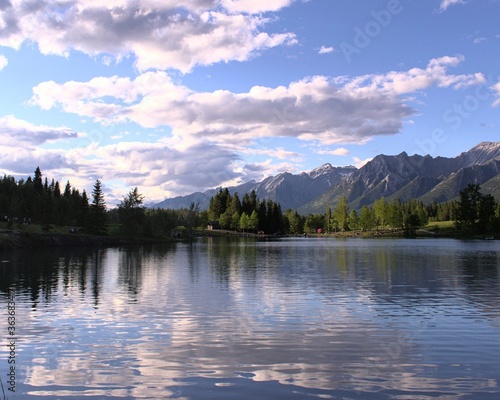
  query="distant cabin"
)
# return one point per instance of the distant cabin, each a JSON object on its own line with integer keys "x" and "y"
{"x": 213, "y": 225}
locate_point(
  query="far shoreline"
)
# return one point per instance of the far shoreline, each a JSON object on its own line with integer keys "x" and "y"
{"x": 18, "y": 238}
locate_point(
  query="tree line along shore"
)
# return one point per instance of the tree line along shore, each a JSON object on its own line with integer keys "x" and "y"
{"x": 36, "y": 211}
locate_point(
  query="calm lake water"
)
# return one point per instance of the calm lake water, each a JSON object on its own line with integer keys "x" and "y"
{"x": 229, "y": 319}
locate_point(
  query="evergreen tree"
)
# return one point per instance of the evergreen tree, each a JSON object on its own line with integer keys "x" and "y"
{"x": 218, "y": 204}
{"x": 249, "y": 202}
{"x": 97, "y": 217}
{"x": 36, "y": 201}
{"x": 253, "y": 200}
{"x": 234, "y": 204}
{"x": 57, "y": 190}
{"x": 262, "y": 216}
{"x": 486, "y": 212}
{"x": 475, "y": 212}
{"x": 245, "y": 204}
{"x": 83, "y": 210}
{"x": 48, "y": 210}
{"x": 67, "y": 190}
{"x": 277, "y": 218}
{"x": 37, "y": 181}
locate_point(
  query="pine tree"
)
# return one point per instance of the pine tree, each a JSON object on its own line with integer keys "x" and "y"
{"x": 57, "y": 190}
{"x": 37, "y": 181}
{"x": 475, "y": 211}
{"x": 234, "y": 204}
{"x": 67, "y": 190}
{"x": 218, "y": 204}
{"x": 97, "y": 217}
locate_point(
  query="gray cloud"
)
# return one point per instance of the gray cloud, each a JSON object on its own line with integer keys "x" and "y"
{"x": 162, "y": 168}
{"x": 17, "y": 132}
{"x": 22, "y": 162}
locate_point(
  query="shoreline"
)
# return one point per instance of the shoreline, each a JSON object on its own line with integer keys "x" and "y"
{"x": 16, "y": 239}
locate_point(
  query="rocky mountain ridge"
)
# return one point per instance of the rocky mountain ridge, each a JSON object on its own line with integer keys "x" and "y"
{"x": 418, "y": 177}
{"x": 291, "y": 191}
{"x": 401, "y": 176}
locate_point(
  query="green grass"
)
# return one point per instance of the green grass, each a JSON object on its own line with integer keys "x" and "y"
{"x": 36, "y": 228}
{"x": 441, "y": 224}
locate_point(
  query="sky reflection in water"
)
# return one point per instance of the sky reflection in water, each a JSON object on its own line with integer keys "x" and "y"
{"x": 297, "y": 318}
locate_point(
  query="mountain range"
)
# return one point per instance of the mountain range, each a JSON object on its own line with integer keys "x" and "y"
{"x": 400, "y": 176}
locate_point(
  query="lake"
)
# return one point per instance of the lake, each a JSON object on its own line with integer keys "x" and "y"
{"x": 296, "y": 318}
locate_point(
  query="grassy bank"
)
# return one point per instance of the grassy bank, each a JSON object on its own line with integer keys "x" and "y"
{"x": 440, "y": 229}
{"x": 34, "y": 235}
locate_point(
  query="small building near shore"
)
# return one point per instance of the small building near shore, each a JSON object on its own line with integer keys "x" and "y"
{"x": 213, "y": 225}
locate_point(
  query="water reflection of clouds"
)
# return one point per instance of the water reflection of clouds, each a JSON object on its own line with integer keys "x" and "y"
{"x": 190, "y": 313}
{"x": 167, "y": 344}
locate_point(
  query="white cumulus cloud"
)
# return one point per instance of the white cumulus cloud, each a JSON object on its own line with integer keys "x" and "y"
{"x": 416, "y": 79}
{"x": 314, "y": 107}
{"x": 330, "y": 110}
{"x": 159, "y": 34}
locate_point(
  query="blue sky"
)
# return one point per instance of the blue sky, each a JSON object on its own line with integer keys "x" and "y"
{"x": 176, "y": 97}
